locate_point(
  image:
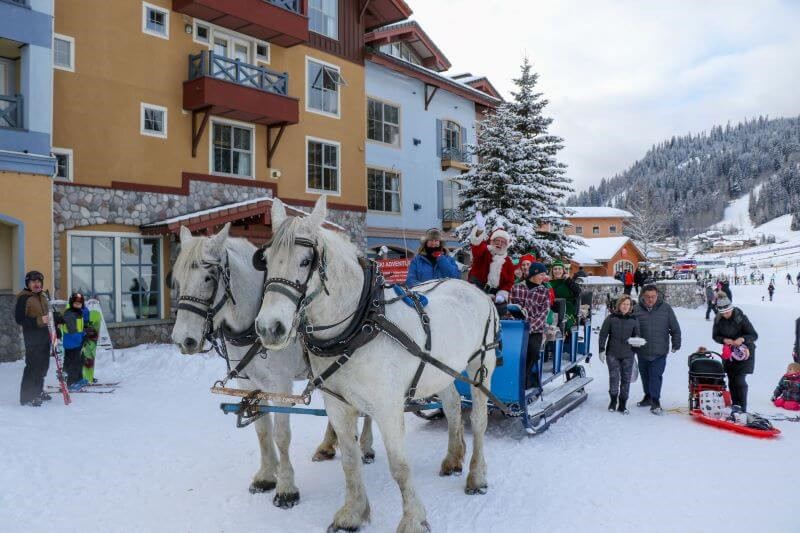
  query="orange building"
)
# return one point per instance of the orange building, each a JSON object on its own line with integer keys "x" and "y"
{"x": 595, "y": 222}
{"x": 605, "y": 256}
{"x": 169, "y": 108}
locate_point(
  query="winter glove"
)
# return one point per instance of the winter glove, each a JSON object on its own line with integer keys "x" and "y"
{"x": 480, "y": 221}
{"x": 602, "y": 357}
{"x": 499, "y": 299}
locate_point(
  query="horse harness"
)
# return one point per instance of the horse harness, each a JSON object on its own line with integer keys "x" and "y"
{"x": 367, "y": 322}
{"x": 218, "y": 337}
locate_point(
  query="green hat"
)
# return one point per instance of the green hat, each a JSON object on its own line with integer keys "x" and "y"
{"x": 557, "y": 263}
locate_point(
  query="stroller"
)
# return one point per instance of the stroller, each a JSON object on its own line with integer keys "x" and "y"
{"x": 710, "y": 400}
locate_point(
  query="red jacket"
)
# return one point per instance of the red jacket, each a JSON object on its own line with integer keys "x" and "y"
{"x": 628, "y": 279}
{"x": 482, "y": 261}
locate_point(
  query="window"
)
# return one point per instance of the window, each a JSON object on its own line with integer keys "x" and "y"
{"x": 402, "y": 51}
{"x": 383, "y": 122}
{"x": 153, "y": 120}
{"x": 155, "y": 20}
{"x": 623, "y": 266}
{"x": 612, "y": 229}
{"x": 579, "y": 230}
{"x": 383, "y": 190}
{"x": 64, "y": 52}
{"x": 451, "y": 140}
{"x": 322, "y": 94}
{"x": 123, "y": 272}
{"x": 262, "y": 52}
{"x": 232, "y": 150}
{"x": 450, "y": 197}
{"x": 323, "y": 17}
{"x": 202, "y": 33}
{"x": 595, "y": 230}
{"x": 63, "y": 163}
{"x": 322, "y": 170}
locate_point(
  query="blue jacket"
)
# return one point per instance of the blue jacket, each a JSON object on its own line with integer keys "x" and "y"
{"x": 72, "y": 327}
{"x": 422, "y": 269}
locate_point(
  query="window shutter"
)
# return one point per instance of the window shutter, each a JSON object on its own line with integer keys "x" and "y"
{"x": 464, "y": 143}
{"x": 440, "y": 198}
{"x": 438, "y": 138}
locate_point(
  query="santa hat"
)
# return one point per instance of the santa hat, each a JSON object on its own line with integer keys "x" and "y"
{"x": 500, "y": 232}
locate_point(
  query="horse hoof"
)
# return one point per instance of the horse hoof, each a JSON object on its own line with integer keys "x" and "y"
{"x": 472, "y": 491}
{"x": 258, "y": 486}
{"x": 337, "y": 529}
{"x": 368, "y": 458}
{"x": 323, "y": 455}
{"x": 450, "y": 471}
{"x": 286, "y": 500}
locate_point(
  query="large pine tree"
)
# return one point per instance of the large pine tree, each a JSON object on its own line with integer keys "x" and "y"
{"x": 518, "y": 183}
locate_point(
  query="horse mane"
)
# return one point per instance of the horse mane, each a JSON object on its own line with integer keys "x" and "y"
{"x": 192, "y": 255}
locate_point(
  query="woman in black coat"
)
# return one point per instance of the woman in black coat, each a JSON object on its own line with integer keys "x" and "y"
{"x": 618, "y": 328}
{"x": 733, "y": 328}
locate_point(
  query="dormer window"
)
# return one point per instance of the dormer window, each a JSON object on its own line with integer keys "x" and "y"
{"x": 401, "y": 51}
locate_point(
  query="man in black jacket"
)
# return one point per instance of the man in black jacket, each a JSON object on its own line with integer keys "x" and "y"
{"x": 32, "y": 313}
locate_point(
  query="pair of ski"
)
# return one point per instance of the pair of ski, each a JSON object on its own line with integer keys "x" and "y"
{"x": 90, "y": 388}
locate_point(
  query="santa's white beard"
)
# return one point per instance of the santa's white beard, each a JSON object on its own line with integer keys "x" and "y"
{"x": 495, "y": 268}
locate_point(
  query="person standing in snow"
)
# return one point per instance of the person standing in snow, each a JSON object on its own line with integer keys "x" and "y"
{"x": 72, "y": 331}
{"x": 432, "y": 261}
{"x": 798, "y": 282}
{"x": 733, "y": 330}
{"x": 789, "y": 279}
{"x": 618, "y": 328}
{"x": 534, "y": 297}
{"x": 771, "y": 290}
{"x": 725, "y": 287}
{"x": 659, "y": 326}
{"x": 638, "y": 280}
{"x": 796, "y": 351}
{"x": 492, "y": 270}
{"x": 31, "y": 311}
{"x": 627, "y": 280}
{"x": 711, "y": 300}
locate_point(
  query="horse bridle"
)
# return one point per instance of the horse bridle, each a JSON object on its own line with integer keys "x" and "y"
{"x": 206, "y": 307}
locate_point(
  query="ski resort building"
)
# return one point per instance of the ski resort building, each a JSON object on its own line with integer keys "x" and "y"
{"x": 419, "y": 122}
{"x": 605, "y": 256}
{"x": 596, "y": 222}
{"x": 198, "y": 112}
{"x": 26, "y": 165}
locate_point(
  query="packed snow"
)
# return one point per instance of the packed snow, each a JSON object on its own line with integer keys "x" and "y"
{"x": 158, "y": 455}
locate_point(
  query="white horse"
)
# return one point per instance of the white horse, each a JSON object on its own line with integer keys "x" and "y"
{"x": 376, "y": 380}
{"x": 197, "y": 273}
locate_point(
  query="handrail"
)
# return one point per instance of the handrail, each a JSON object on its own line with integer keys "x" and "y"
{"x": 11, "y": 111}
{"x": 455, "y": 154}
{"x": 208, "y": 63}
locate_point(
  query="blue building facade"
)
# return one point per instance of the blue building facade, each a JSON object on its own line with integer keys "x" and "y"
{"x": 418, "y": 125}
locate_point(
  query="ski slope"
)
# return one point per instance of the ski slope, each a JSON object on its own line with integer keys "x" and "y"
{"x": 159, "y": 456}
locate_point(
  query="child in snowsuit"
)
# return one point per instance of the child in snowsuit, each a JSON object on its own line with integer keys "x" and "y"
{"x": 617, "y": 328}
{"x": 90, "y": 344}
{"x": 787, "y": 393}
{"x": 71, "y": 329}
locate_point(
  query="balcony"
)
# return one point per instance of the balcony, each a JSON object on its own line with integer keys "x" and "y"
{"x": 233, "y": 89}
{"x": 11, "y": 111}
{"x": 453, "y": 157}
{"x": 282, "y": 22}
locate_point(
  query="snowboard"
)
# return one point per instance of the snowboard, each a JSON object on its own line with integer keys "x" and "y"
{"x": 96, "y": 321}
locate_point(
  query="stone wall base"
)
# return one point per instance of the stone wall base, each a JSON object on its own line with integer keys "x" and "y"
{"x": 125, "y": 335}
{"x": 11, "y": 345}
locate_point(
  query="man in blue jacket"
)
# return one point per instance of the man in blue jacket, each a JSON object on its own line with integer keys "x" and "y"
{"x": 432, "y": 261}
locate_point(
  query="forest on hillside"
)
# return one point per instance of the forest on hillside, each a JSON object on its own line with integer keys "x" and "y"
{"x": 687, "y": 181}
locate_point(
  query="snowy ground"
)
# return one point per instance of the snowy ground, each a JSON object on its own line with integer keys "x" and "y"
{"x": 158, "y": 455}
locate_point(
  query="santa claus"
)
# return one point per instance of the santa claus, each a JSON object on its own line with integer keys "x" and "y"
{"x": 492, "y": 269}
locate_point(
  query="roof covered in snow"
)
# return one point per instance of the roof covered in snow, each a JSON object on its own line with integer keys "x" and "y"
{"x": 597, "y": 251}
{"x": 596, "y": 212}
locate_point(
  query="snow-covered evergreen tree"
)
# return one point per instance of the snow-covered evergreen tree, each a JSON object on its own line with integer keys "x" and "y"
{"x": 518, "y": 183}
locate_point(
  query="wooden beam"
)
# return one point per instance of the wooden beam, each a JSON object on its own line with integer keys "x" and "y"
{"x": 429, "y": 94}
{"x": 198, "y": 133}
{"x": 363, "y": 10}
{"x": 272, "y": 146}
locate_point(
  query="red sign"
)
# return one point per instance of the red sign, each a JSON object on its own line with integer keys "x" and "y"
{"x": 394, "y": 270}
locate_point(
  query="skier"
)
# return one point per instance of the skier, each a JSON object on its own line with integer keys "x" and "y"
{"x": 492, "y": 270}
{"x": 71, "y": 330}
{"x": 533, "y": 296}
{"x": 31, "y": 311}
{"x": 659, "y": 327}
{"x": 789, "y": 279}
{"x": 771, "y": 290}
{"x": 798, "y": 282}
{"x": 787, "y": 393}
{"x": 617, "y": 329}
{"x": 733, "y": 330}
{"x": 432, "y": 260}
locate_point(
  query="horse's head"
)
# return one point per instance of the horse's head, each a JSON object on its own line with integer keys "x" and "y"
{"x": 296, "y": 259}
{"x": 197, "y": 275}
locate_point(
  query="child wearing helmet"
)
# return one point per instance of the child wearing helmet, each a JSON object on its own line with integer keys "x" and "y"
{"x": 72, "y": 331}
{"x": 787, "y": 393}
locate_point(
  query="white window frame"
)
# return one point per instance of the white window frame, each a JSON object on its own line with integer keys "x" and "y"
{"x": 399, "y": 190}
{"x": 71, "y": 41}
{"x": 579, "y": 230}
{"x": 238, "y": 124}
{"x": 67, "y": 152}
{"x": 145, "y": 10}
{"x": 338, "y": 69}
{"x": 165, "y": 292}
{"x": 143, "y": 106}
{"x": 612, "y": 229}
{"x": 399, "y": 144}
{"x": 195, "y": 38}
{"x": 258, "y": 58}
{"x": 253, "y": 57}
{"x": 595, "y": 228}
{"x": 335, "y": 36}
{"x": 338, "y": 191}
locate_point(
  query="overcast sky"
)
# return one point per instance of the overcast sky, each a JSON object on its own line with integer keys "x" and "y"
{"x": 622, "y": 75}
